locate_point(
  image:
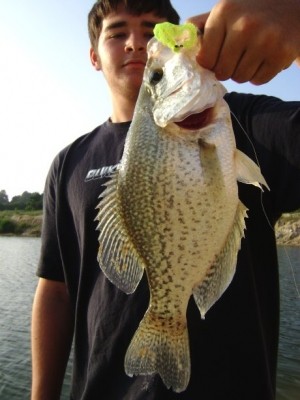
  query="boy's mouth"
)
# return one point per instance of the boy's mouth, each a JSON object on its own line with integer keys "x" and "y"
{"x": 135, "y": 62}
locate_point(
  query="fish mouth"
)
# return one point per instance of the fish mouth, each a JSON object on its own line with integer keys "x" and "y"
{"x": 197, "y": 121}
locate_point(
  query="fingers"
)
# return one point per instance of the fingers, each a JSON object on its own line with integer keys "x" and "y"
{"x": 247, "y": 56}
{"x": 249, "y": 40}
{"x": 212, "y": 40}
{"x": 199, "y": 21}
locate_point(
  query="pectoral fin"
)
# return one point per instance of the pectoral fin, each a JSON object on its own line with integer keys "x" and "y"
{"x": 117, "y": 256}
{"x": 248, "y": 171}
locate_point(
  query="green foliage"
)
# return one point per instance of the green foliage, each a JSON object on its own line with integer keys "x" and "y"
{"x": 20, "y": 222}
{"x": 7, "y": 225}
{"x": 26, "y": 201}
{"x": 18, "y": 216}
{"x": 3, "y": 200}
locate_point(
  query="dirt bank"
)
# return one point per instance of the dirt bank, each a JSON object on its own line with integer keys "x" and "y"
{"x": 20, "y": 223}
{"x": 288, "y": 230}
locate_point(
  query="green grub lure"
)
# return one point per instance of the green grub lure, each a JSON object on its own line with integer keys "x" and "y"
{"x": 176, "y": 37}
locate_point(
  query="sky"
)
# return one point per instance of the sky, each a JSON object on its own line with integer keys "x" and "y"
{"x": 49, "y": 92}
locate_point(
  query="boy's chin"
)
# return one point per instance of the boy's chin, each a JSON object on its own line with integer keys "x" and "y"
{"x": 134, "y": 82}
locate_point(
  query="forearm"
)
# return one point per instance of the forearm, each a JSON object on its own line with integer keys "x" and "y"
{"x": 52, "y": 331}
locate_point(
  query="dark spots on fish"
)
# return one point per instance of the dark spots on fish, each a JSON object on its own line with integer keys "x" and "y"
{"x": 170, "y": 201}
{"x": 185, "y": 231}
{"x": 195, "y": 245}
{"x": 178, "y": 325}
{"x": 179, "y": 210}
{"x": 188, "y": 202}
{"x": 180, "y": 288}
{"x": 211, "y": 271}
{"x": 165, "y": 283}
{"x": 181, "y": 182}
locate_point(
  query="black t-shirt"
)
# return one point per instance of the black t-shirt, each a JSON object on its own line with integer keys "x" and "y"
{"x": 234, "y": 350}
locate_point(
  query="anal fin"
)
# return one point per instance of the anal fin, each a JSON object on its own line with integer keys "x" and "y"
{"x": 220, "y": 274}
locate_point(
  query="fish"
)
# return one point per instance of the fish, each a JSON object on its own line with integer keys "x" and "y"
{"x": 171, "y": 208}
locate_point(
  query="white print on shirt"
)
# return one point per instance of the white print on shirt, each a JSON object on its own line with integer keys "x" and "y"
{"x": 99, "y": 173}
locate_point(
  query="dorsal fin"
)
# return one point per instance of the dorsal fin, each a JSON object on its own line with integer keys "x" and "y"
{"x": 117, "y": 256}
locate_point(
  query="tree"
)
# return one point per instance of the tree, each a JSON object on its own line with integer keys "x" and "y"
{"x": 35, "y": 202}
{"x": 26, "y": 201}
{"x": 3, "y": 200}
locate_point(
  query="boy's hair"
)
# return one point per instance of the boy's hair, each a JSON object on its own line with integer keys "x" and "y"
{"x": 161, "y": 8}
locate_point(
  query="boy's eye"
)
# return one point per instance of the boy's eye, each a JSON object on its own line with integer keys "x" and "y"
{"x": 120, "y": 35}
{"x": 117, "y": 35}
{"x": 149, "y": 35}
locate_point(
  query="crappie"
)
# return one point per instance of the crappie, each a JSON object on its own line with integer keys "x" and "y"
{"x": 172, "y": 208}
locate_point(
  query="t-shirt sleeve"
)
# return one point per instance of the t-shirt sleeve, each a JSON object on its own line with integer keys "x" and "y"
{"x": 272, "y": 128}
{"x": 50, "y": 263}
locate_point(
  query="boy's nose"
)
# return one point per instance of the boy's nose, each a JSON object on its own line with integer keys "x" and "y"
{"x": 135, "y": 44}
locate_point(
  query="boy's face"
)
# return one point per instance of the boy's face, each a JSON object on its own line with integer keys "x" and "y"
{"x": 122, "y": 49}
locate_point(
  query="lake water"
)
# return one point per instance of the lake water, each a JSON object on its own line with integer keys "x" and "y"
{"x": 18, "y": 260}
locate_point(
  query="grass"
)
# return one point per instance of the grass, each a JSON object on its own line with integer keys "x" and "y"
{"x": 17, "y": 222}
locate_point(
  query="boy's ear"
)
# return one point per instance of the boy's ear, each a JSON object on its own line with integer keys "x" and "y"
{"x": 95, "y": 59}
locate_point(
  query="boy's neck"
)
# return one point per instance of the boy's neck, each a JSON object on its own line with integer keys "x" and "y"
{"x": 122, "y": 109}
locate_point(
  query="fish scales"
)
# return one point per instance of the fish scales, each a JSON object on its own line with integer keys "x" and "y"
{"x": 172, "y": 208}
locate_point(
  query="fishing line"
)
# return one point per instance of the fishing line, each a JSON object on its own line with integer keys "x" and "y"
{"x": 257, "y": 162}
{"x": 293, "y": 274}
{"x": 263, "y": 207}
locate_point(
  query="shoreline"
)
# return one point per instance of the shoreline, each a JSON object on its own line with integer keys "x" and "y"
{"x": 287, "y": 230}
{"x": 25, "y": 224}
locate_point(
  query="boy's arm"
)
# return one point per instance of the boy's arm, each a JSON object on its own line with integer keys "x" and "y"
{"x": 51, "y": 338}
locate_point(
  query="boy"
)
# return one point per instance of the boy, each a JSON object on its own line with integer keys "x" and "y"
{"x": 233, "y": 352}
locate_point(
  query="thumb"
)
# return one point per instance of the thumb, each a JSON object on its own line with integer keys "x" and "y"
{"x": 199, "y": 20}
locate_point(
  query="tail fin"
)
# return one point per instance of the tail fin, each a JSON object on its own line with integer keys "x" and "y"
{"x": 160, "y": 346}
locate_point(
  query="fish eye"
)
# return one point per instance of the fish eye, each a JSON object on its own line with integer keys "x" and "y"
{"x": 156, "y": 76}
